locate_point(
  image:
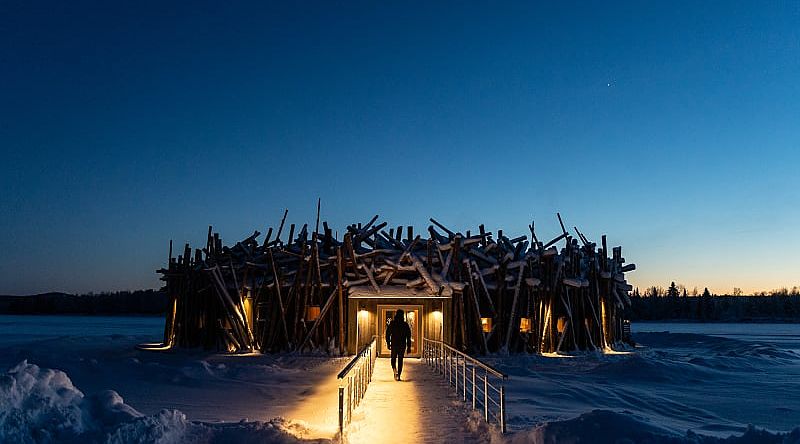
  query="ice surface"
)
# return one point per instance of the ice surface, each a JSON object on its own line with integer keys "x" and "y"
{"x": 689, "y": 386}
{"x": 734, "y": 384}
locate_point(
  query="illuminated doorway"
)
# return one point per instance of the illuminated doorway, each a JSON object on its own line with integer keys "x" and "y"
{"x": 413, "y": 315}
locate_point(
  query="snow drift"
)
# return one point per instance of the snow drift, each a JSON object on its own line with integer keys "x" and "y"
{"x": 607, "y": 427}
{"x": 39, "y": 405}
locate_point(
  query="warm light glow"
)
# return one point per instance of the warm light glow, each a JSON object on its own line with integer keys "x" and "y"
{"x": 525, "y": 325}
{"x": 312, "y": 312}
{"x": 248, "y": 311}
{"x": 562, "y": 324}
{"x": 437, "y": 315}
{"x": 604, "y": 326}
{"x": 610, "y": 351}
{"x": 388, "y": 404}
{"x": 557, "y": 355}
{"x": 486, "y": 323}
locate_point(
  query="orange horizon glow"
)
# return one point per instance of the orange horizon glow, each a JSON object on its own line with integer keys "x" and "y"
{"x": 714, "y": 287}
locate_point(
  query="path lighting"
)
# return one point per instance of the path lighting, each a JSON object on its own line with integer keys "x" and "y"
{"x": 486, "y": 324}
{"x": 525, "y": 325}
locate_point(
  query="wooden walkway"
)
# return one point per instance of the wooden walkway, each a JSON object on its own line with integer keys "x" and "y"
{"x": 418, "y": 409}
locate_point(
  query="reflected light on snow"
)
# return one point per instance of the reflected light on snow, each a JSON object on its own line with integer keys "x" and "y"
{"x": 243, "y": 355}
{"x": 556, "y": 355}
{"x": 608, "y": 351}
{"x": 317, "y": 414}
{"x": 390, "y": 410}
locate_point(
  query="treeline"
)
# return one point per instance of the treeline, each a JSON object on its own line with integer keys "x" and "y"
{"x": 675, "y": 303}
{"x": 145, "y": 302}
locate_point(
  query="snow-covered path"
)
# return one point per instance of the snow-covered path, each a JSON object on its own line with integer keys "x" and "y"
{"x": 420, "y": 408}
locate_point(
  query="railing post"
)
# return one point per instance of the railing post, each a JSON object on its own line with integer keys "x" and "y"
{"x": 441, "y": 358}
{"x": 502, "y": 409}
{"x": 341, "y": 410}
{"x": 486, "y": 395}
{"x": 350, "y": 399}
{"x": 464, "y": 380}
{"x": 455, "y": 375}
{"x": 473, "y": 388}
{"x": 450, "y": 366}
{"x": 447, "y": 365}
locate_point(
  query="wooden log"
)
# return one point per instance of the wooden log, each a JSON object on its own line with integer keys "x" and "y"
{"x": 322, "y": 314}
{"x": 513, "y": 317}
{"x": 423, "y": 273}
{"x": 485, "y": 289}
{"x": 280, "y": 229}
{"x": 340, "y": 287}
{"x": 449, "y": 233}
{"x": 279, "y": 297}
{"x": 476, "y": 308}
{"x": 561, "y": 222}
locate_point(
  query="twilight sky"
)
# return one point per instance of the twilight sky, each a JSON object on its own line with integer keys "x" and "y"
{"x": 673, "y": 127}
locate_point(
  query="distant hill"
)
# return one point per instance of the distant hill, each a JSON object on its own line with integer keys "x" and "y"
{"x": 145, "y": 302}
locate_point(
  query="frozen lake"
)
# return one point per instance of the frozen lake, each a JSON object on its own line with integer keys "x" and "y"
{"x": 709, "y": 379}
{"x": 786, "y": 336}
{"x": 26, "y": 328}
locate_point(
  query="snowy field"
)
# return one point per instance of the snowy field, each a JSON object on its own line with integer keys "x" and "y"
{"x": 687, "y": 380}
{"x": 80, "y": 379}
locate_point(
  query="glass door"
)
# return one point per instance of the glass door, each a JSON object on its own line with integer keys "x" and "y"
{"x": 412, "y": 315}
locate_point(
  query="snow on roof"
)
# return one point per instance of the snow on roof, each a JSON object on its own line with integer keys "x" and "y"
{"x": 390, "y": 291}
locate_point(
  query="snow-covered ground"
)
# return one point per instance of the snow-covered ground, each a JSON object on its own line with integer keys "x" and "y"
{"x": 710, "y": 380}
{"x": 80, "y": 379}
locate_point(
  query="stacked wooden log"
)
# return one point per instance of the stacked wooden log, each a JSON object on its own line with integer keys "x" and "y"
{"x": 290, "y": 293}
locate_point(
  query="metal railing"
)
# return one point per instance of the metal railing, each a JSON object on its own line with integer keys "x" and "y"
{"x": 353, "y": 381}
{"x": 470, "y": 377}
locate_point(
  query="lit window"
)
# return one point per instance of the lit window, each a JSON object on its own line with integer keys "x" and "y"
{"x": 525, "y": 325}
{"x": 312, "y": 312}
{"x": 486, "y": 323}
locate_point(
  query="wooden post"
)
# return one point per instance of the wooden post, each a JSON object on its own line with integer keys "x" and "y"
{"x": 340, "y": 286}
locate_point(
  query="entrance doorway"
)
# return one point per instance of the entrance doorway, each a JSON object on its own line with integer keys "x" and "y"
{"x": 412, "y": 314}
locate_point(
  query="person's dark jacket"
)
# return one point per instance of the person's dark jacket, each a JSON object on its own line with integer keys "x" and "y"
{"x": 398, "y": 335}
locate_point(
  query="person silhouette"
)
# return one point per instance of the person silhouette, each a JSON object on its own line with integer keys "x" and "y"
{"x": 398, "y": 339}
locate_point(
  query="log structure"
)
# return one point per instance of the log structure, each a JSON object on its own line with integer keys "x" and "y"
{"x": 482, "y": 292}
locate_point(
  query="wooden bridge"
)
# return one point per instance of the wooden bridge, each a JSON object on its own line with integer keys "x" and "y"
{"x": 431, "y": 403}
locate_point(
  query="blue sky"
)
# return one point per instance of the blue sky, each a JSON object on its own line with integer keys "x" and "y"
{"x": 670, "y": 126}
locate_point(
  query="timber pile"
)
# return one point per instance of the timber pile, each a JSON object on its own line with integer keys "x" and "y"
{"x": 290, "y": 294}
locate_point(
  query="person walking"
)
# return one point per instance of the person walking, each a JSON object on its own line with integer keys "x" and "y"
{"x": 398, "y": 339}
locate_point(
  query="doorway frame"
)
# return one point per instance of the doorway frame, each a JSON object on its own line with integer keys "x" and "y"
{"x": 380, "y": 327}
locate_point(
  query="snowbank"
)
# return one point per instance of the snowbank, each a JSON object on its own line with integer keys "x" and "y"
{"x": 606, "y": 427}
{"x": 39, "y": 405}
